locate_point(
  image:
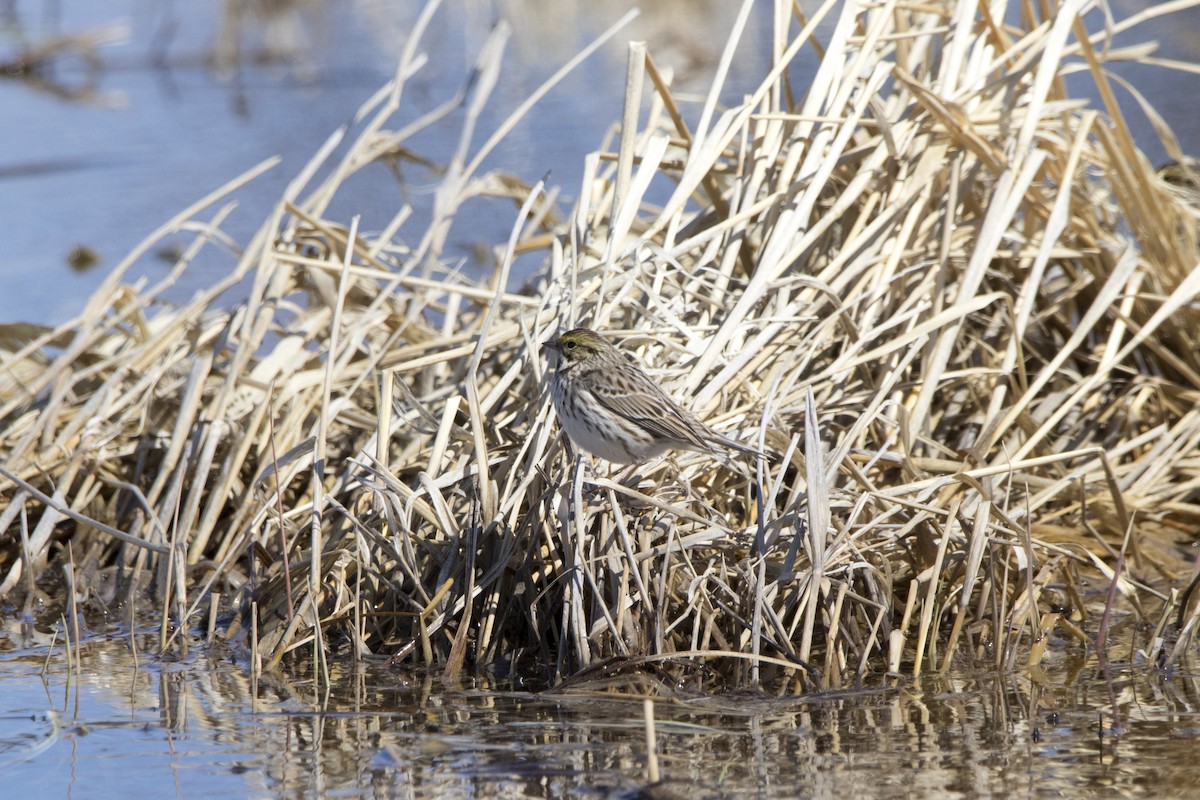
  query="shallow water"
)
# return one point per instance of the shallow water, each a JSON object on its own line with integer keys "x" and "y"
{"x": 134, "y": 723}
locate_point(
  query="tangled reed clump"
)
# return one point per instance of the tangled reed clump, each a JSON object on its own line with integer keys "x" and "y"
{"x": 955, "y": 304}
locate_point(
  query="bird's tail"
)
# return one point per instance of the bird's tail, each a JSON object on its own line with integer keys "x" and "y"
{"x": 730, "y": 444}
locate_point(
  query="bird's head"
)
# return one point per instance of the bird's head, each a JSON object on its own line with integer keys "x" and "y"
{"x": 578, "y": 345}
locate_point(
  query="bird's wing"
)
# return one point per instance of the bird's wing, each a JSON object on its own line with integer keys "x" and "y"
{"x": 648, "y": 406}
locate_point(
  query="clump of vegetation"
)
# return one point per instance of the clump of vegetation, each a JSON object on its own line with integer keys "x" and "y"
{"x": 956, "y": 304}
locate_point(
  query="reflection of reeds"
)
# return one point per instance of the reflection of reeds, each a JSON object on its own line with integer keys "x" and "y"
{"x": 39, "y": 63}
{"x": 267, "y": 32}
{"x": 409, "y": 736}
{"x": 944, "y": 292}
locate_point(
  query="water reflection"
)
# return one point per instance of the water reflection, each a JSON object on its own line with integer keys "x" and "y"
{"x": 65, "y": 66}
{"x": 136, "y": 723}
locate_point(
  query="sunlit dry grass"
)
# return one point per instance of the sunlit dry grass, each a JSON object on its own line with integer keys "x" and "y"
{"x": 955, "y": 304}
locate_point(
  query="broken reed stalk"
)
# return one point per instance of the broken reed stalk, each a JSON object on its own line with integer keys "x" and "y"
{"x": 956, "y": 304}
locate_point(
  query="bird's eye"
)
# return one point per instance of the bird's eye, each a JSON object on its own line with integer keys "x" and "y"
{"x": 570, "y": 345}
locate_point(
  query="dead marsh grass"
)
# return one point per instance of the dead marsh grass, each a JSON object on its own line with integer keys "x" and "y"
{"x": 957, "y": 304}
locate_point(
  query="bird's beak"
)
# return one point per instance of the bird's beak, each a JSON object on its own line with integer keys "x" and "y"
{"x": 554, "y": 344}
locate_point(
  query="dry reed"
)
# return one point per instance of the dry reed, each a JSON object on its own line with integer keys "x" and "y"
{"x": 956, "y": 303}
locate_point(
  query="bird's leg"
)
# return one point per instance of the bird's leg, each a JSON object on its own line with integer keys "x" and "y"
{"x": 579, "y": 466}
{"x": 677, "y": 473}
{"x": 584, "y": 471}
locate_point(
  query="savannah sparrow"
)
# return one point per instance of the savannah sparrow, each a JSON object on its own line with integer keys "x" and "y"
{"x": 611, "y": 408}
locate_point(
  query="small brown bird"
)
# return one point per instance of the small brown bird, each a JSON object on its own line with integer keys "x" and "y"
{"x": 612, "y": 409}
